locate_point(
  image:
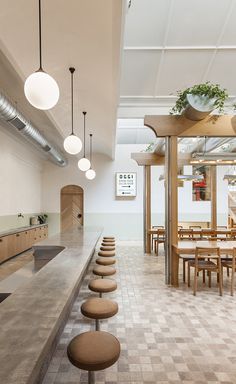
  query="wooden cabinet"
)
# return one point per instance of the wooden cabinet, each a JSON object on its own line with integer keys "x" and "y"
{"x": 13, "y": 244}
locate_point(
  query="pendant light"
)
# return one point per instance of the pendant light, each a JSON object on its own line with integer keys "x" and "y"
{"x": 41, "y": 90}
{"x": 72, "y": 143}
{"x": 90, "y": 173}
{"x": 84, "y": 163}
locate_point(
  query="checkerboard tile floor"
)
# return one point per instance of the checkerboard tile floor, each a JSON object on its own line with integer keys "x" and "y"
{"x": 167, "y": 335}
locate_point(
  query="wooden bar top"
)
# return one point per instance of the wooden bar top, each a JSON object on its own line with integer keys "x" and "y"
{"x": 31, "y": 318}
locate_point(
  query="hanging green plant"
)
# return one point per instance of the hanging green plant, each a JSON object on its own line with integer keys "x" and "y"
{"x": 208, "y": 90}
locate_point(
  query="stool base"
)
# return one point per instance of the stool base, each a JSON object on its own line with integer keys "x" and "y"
{"x": 91, "y": 377}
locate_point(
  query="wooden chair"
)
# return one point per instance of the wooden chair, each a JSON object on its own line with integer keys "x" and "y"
{"x": 154, "y": 237}
{"x": 203, "y": 263}
{"x": 209, "y": 234}
{"x": 161, "y": 238}
{"x": 229, "y": 263}
{"x": 232, "y": 235}
{"x": 222, "y": 236}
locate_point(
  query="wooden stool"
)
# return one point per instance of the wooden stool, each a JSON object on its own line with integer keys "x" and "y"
{"x": 98, "y": 309}
{"x": 104, "y": 270}
{"x": 105, "y": 261}
{"x": 107, "y": 248}
{"x": 93, "y": 351}
{"x": 106, "y": 253}
{"x": 102, "y": 286}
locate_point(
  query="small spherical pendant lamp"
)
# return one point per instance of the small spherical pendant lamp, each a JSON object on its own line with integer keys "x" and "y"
{"x": 40, "y": 89}
{"x": 72, "y": 143}
{"x": 90, "y": 173}
{"x": 84, "y": 163}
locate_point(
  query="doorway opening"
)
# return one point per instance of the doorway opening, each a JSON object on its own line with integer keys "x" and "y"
{"x": 72, "y": 207}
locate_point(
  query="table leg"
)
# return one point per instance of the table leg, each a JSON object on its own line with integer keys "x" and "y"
{"x": 174, "y": 268}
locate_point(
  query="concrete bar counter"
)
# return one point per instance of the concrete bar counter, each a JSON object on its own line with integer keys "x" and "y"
{"x": 33, "y": 316}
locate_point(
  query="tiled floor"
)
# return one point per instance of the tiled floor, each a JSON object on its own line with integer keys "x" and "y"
{"x": 167, "y": 335}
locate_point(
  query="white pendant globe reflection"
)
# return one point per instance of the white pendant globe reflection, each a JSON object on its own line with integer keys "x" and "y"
{"x": 84, "y": 164}
{"x": 41, "y": 90}
{"x": 72, "y": 144}
{"x": 90, "y": 174}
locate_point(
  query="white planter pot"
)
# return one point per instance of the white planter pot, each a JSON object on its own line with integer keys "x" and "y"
{"x": 198, "y": 107}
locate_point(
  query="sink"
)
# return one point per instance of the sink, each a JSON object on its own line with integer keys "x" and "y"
{"x": 43, "y": 254}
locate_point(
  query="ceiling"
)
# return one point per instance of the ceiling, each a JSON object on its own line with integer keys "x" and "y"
{"x": 86, "y": 34}
{"x": 170, "y": 45}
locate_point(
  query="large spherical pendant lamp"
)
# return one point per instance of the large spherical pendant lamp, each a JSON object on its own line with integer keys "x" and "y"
{"x": 41, "y": 90}
{"x": 84, "y": 163}
{"x": 90, "y": 173}
{"x": 72, "y": 143}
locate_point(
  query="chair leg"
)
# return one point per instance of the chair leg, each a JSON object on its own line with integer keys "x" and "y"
{"x": 195, "y": 282}
{"x": 100, "y": 294}
{"x": 220, "y": 281}
{"x": 184, "y": 275}
{"x": 91, "y": 377}
{"x": 203, "y": 276}
{"x": 156, "y": 248}
{"x": 228, "y": 271}
{"x": 188, "y": 275}
{"x": 232, "y": 282}
{"x": 209, "y": 279}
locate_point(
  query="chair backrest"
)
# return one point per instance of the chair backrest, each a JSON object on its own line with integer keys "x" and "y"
{"x": 161, "y": 233}
{"x": 201, "y": 252}
{"x": 186, "y": 233}
{"x": 158, "y": 226}
{"x": 221, "y": 227}
{"x": 180, "y": 226}
{"x": 233, "y": 234}
{"x": 195, "y": 227}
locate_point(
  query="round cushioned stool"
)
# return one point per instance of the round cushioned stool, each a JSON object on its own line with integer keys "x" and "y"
{"x": 103, "y": 270}
{"x": 105, "y": 261}
{"x": 93, "y": 351}
{"x": 98, "y": 309}
{"x": 107, "y": 248}
{"x": 102, "y": 286}
{"x": 106, "y": 253}
{"x": 108, "y": 244}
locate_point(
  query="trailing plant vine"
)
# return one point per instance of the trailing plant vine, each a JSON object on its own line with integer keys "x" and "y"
{"x": 213, "y": 91}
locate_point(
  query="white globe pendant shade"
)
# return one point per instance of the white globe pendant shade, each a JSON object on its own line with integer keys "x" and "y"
{"x": 72, "y": 144}
{"x": 41, "y": 90}
{"x": 84, "y": 164}
{"x": 90, "y": 174}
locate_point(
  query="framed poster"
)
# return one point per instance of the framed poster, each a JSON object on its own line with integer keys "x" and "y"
{"x": 126, "y": 184}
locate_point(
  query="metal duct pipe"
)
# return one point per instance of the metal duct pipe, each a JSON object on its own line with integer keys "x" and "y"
{"x": 10, "y": 114}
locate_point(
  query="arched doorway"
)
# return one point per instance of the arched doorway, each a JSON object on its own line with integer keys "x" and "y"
{"x": 72, "y": 206}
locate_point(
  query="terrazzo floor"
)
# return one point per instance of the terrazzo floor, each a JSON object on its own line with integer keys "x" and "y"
{"x": 167, "y": 335}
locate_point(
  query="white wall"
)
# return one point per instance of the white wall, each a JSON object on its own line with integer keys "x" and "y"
{"x": 20, "y": 181}
{"x": 121, "y": 217}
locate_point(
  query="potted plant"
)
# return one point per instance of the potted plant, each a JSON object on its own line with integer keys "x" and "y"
{"x": 42, "y": 218}
{"x": 198, "y": 101}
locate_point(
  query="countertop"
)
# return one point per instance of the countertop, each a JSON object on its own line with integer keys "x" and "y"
{"x": 20, "y": 229}
{"x": 33, "y": 315}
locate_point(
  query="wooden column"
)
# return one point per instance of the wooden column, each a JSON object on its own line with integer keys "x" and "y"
{"x": 213, "y": 171}
{"x": 147, "y": 208}
{"x": 171, "y": 198}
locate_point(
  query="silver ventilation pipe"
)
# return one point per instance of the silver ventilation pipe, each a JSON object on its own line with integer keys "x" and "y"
{"x": 11, "y": 115}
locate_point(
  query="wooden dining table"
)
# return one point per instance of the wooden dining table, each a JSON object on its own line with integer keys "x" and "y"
{"x": 189, "y": 247}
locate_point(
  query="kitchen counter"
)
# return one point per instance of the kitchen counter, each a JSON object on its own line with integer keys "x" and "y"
{"x": 33, "y": 317}
{"x": 20, "y": 229}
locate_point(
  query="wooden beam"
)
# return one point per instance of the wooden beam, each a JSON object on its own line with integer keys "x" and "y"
{"x": 171, "y": 199}
{"x": 147, "y": 208}
{"x": 148, "y": 158}
{"x": 213, "y": 196}
{"x": 213, "y": 125}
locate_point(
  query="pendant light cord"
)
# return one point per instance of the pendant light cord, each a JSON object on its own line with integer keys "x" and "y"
{"x": 72, "y": 70}
{"x": 40, "y": 38}
{"x": 90, "y": 149}
{"x": 84, "y": 113}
